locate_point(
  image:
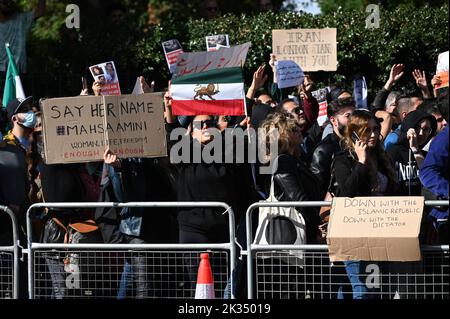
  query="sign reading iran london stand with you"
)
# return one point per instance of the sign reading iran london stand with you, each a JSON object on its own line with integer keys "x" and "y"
{"x": 375, "y": 228}
{"x": 311, "y": 49}
{"x": 79, "y": 129}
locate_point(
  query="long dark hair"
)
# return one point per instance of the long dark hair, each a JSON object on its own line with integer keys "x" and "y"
{"x": 358, "y": 123}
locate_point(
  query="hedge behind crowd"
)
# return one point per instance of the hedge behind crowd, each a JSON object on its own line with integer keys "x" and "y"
{"x": 408, "y": 35}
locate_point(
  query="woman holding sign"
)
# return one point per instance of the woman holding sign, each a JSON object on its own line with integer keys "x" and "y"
{"x": 362, "y": 169}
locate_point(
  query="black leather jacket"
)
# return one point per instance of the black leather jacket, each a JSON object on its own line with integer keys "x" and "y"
{"x": 294, "y": 182}
{"x": 322, "y": 159}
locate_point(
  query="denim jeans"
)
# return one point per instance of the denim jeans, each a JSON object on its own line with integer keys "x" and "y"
{"x": 58, "y": 277}
{"x": 355, "y": 271}
{"x": 134, "y": 274}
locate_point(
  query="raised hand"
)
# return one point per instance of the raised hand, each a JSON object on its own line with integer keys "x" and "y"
{"x": 395, "y": 75}
{"x": 259, "y": 78}
{"x": 412, "y": 138}
{"x": 361, "y": 151}
{"x": 110, "y": 158}
{"x": 420, "y": 78}
{"x": 97, "y": 88}
{"x": 145, "y": 87}
{"x": 396, "y": 72}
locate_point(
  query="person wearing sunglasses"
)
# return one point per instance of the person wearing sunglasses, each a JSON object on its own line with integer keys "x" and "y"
{"x": 408, "y": 154}
{"x": 208, "y": 178}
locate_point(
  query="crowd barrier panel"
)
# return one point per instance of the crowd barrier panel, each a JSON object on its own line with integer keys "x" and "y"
{"x": 315, "y": 277}
{"x": 9, "y": 261}
{"x": 97, "y": 270}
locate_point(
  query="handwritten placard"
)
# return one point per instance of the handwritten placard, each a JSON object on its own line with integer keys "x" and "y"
{"x": 312, "y": 49}
{"x": 375, "y": 228}
{"x": 194, "y": 62}
{"x": 288, "y": 74}
{"x": 78, "y": 129}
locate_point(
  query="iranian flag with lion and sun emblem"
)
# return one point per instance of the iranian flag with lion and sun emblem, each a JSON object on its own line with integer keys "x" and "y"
{"x": 214, "y": 92}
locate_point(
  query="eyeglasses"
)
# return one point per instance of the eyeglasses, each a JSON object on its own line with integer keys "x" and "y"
{"x": 201, "y": 124}
{"x": 215, "y": 9}
{"x": 439, "y": 120}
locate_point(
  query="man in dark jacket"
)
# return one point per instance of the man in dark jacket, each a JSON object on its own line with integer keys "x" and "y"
{"x": 15, "y": 159}
{"x": 338, "y": 112}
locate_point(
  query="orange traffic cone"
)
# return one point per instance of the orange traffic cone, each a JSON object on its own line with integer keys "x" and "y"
{"x": 205, "y": 283}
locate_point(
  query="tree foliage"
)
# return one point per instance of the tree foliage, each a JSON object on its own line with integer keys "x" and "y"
{"x": 409, "y": 35}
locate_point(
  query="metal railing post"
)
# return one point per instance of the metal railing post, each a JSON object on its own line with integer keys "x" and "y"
{"x": 228, "y": 209}
{"x": 15, "y": 228}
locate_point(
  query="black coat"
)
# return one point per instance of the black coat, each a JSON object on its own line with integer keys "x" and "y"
{"x": 294, "y": 182}
{"x": 220, "y": 182}
{"x": 322, "y": 159}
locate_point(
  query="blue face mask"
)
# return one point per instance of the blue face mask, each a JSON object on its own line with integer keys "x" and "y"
{"x": 30, "y": 120}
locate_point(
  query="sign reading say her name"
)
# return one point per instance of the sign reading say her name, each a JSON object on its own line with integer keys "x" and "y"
{"x": 194, "y": 62}
{"x": 312, "y": 49}
{"x": 79, "y": 129}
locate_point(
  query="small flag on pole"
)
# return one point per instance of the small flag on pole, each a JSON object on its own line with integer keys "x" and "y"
{"x": 13, "y": 85}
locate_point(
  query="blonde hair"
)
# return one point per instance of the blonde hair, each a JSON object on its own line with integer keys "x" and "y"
{"x": 283, "y": 124}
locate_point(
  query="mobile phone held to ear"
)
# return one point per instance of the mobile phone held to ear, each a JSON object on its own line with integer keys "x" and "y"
{"x": 355, "y": 137}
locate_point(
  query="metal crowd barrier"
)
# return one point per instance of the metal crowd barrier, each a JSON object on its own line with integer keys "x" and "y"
{"x": 113, "y": 270}
{"x": 9, "y": 261}
{"x": 315, "y": 277}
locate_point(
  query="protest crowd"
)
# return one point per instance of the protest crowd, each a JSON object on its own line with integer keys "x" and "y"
{"x": 329, "y": 144}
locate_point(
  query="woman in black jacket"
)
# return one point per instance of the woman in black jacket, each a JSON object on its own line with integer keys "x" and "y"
{"x": 362, "y": 169}
{"x": 208, "y": 179}
{"x": 293, "y": 181}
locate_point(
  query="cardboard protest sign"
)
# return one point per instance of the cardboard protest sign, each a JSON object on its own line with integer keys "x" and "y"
{"x": 106, "y": 74}
{"x": 321, "y": 96}
{"x": 194, "y": 62}
{"x": 375, "y": 228}
{"x": 79, "y": 129}
{"x": 289, "y": 74}
{"x": 214, "y": 42}
{"x": 172, "y": 49}
{"x": 311, "y": 49}
{"x": 442, "y": 70}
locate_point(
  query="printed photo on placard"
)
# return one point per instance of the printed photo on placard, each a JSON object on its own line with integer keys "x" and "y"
{"x": 172, "y": 49}
{"x": 106, "y": 74}
{"x": 214, "y": 42}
